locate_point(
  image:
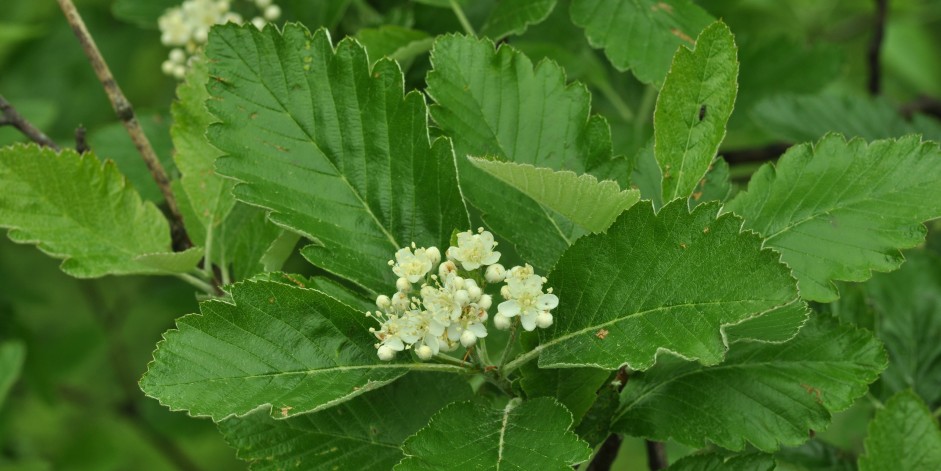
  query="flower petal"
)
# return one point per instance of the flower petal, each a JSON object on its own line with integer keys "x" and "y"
{"x": 509, "y": 308}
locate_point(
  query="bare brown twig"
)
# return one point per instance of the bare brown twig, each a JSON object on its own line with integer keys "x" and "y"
{"x": 875, "y": 48}
{"x": 81, "y": 140}
{"x": 122, "y": 107}
{"x": 11, "y": 117}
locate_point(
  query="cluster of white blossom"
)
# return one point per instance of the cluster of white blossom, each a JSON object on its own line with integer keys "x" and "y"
{"x": 186, "y": 28}
{"x": 439, "y": 305}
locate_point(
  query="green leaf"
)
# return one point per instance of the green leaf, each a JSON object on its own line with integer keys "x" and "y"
{"x": 364, "y": 433}
{"x": 591, "y": 204}
{"x": 12, "y": 354}
{"x": 907, "y": 317}
{"x": 715, "y": 186}
{"x": 817, "y": 207}
{"x": 719, "y": 461}
{"x": 172, "y": 262}
{"x": 251, "y": 244}
{"x": 395, "y": 42}
{"x": 670, "y": 281}
{"x": 75, "y": 208}
{"x": 801, "y": 118}
{"x": 815, "y": 455}
{"x": 693, "y": 108}
{"x": 331, "y": 148}
{"x": 764, "y": 394}
{"x": 209, "y": 194}
{"x": 277, "y": 346}
{"x": 239, "y": 235}
{"x": 113, "y": 142}
{"x": 903, "y": 435}
{"x": 778, "y": 325}
{"x": 515, "y": 16}
{"x": 495, "y": 103}
{"x": 575, "y": 388}
{"x": 595, "y": 425}
{"x": 523, "y": 435}
{"x": 640, "y": 35}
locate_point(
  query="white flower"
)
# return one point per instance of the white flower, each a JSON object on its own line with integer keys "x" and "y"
{"x": 412, "y": 266}
{"x": 524, "y": 298}
{"x": 474, "y": 250}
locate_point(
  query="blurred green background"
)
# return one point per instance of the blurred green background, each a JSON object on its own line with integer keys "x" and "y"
{"x": 76, "y": 405}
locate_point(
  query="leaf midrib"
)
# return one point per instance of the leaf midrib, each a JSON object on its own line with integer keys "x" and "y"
{"x": 585, "y": 330}
{"x": 339, "y": 174}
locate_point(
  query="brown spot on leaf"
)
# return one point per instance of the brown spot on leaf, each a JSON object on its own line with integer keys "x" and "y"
{"x": 697, "y": 195}
{"x": 662, "y": 6}
{"x": 271, "y": 300}
{"x": 812, "y": 390}
{"x": 285, "y": 410}
{"x": 705, "y": 230}
{"x": 685, "y": 37}
{"x": 601, "y": 334}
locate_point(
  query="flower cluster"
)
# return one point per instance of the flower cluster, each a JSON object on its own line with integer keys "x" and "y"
{"x": 439, "y": 305}
{"x": 186, "y": 27}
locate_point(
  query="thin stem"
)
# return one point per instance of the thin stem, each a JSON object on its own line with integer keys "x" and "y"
{"x": 207, "y": 251}
{"x": 439, "y": 367}
{"x": 459, "y": 13}
{"x": 874, "y": 54}
{"x": 482, "y": 351}
{"x": 13, "y": 118}
{"x": 125, "y": 112}
{"x": 453, "y": 361}
{"x": 509, "y": 346}
{"x": 202, "y": 285}
{"x": 645, "y": 110}
{"x": 521, "y": 360}
{"x": 623, "y": 109}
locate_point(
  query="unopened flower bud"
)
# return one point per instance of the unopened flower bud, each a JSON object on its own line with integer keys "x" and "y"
{"x": 433, "y": 254}
{"x": 485, "y": 302}
{"x": 385, "y": 353}
{"x": 474, "y": 292}
{"x": 400, "y": 301}
{"x": 272, "y": 12}
{"x": 544, "y": 319}
{"x": 403, "y": 285}
{"x": 383, "y": 302}
{"x": 468, "y": 339}
{"x": 505, "y": 292}
{"x": 501, "y": 322}
{"x": 495, "y": 273}
{"x": 461, "y": 297}
{"x": 259, "y": 22}
{"x": 424, "y": 352}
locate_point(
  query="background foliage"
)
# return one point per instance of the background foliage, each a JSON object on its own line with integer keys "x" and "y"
{"x": 80, "y": 346}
